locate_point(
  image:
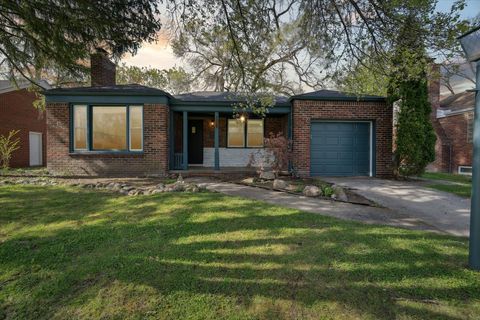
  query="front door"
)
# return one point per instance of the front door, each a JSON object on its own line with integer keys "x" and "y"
{"x": 35, "y": 142}
{"x": 195, "y": 141}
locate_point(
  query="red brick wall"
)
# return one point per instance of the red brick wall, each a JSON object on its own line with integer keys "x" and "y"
{"x": 154, "y": 159}
{"x": 17, "y": 113}
{"x": 306, "y": 111}
{"x": 455, "y": 128}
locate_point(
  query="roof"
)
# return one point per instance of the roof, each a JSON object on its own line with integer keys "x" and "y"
{"x": 7, "y": 85}
{"x": 117, "y": 90}
{"x": 459, "y": 102}
{"x": 335, "y": 95}
{"x": 219, "y": 97}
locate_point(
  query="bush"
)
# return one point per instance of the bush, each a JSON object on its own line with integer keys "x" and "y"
{"x": 276, "y": 154}
{"x": 8, "y": 144}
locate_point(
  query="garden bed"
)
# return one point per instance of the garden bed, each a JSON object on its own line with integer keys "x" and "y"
{"x": 297, "y": 186}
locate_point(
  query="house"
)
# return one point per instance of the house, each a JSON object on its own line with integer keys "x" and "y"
{"x": 453, "y": 123}
{"x": 18, "y": 113}
{"x": 110, "y": 129}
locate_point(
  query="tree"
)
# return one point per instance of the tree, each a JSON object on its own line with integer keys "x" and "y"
{"x": 415, "y": 144}
{"x": 174, "y": 80}
{"x": 62, "y": 34}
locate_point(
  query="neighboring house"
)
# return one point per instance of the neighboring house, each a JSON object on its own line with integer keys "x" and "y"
{"x": 113, "y": 129}
{"x": 454, "y": 127}
{"x": 18, "y": 113}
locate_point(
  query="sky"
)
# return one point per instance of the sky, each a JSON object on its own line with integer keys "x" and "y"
{"x": 160, "y": 54}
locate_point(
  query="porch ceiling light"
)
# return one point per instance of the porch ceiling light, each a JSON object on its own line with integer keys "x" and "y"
{"x": 242, "y": 118}
{"x": 470, "y": 43}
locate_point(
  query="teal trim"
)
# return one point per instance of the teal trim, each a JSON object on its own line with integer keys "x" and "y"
{"x": 90, "y": 149}
{"x": 217, "y": 143}
{"x": 222, "y": 108}
{"x": 106, "y": 99}
{"x": 374, "y": 149}
{"x": 171, "y": 140}
{"x": 185, "y": 140}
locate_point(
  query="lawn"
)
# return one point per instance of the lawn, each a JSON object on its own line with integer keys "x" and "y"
{"x": 456, "y": 184}
{"x": 70, "y": 253}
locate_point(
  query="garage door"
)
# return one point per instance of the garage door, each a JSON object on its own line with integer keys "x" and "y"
{"x": 340, "y": 149}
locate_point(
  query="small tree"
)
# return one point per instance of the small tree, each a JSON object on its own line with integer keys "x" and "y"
{"x": 8, "y": 144}
{"x": 276, "y": 154}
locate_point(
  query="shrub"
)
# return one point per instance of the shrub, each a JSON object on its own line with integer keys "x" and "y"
{"x": 8, "y": 144}
{"x": 276, "y": 154}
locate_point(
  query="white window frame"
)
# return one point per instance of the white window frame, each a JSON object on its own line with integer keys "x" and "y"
{"x": 86, "y": 129}
{"x": 464, "y": 173}
{"x": 130, "y": 127}
{"x": 228, "y": 134}
{"x": 263, "y": 133}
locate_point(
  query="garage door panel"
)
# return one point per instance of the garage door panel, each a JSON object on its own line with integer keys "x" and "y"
{"x": 340, "y": 148}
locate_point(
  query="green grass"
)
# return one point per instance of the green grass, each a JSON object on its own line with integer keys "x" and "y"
{"x": 462, "y": 190}
{"x": 461, "y": 186}
{"x": 71, "y": 253}
{"x": 447, "y": 177}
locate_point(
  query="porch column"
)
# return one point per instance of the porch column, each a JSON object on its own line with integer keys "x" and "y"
{"x": 289, "y": 136}
{"x": 216, "y": 143}
{"x": 185, "y": 140}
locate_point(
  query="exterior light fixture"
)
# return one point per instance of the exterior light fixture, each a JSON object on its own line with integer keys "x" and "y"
{"x": 470, "y": 43}
{"x": 242, "y": 118}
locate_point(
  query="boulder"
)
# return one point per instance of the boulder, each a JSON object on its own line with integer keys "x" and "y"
{"x": 248, "y": 180}
{"x": 312, "y": 191}
{"x": 155, "y": 191}
{"x": 175, "y": 187}
{"x": 280, "y": 184}
{"x": 339, "y": 193}
{"x": 267, "y": 175}
{"x": 192, "y": 188}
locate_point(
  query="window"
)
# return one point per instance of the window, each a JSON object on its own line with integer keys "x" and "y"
{"x": 469, "y": 117}
{"x": 80, "y": 127}
{"x": 236, "y": 133}
{"x": 107, "y": 128}
{"x": 136, "y": 128}
{"x": 255, "y": 133}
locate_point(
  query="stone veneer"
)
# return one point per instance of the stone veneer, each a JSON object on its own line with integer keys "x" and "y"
{"x": 153, "y": 160}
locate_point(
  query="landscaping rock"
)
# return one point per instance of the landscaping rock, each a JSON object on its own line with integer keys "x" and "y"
{"x": 175, "y": 187}
{"x": 248, "y": 180}
{"x": 192, "y": 188}
{"x": 267, "y": 175}
{"x": 280, "y": 184}
{"x": 339, "y": 193}
{"x": 155, "y": 191}
{"x": 312, "y": 191}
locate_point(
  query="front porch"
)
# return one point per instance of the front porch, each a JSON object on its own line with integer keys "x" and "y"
{"x": 208, "y": 139}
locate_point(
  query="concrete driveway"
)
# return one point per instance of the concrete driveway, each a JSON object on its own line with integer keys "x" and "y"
{"x": 445, "y": 211}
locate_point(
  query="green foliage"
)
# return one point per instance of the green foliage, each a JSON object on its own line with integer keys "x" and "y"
{"x": 327, "y": 190}
{"x": 174, "y": 80}
{"x": 62, "y": 34}
{"x": 8, "y": 144}
{"x": 415, "y": 144}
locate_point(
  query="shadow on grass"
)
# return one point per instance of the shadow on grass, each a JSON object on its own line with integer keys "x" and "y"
{"x": 62, "y": 247}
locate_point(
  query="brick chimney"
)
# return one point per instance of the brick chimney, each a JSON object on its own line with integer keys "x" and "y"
{"x": 102, "y": 70}
{"x": 434, "y": 88}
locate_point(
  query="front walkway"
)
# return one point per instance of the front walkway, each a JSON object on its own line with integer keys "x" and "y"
{"x": 443, "y": 210}
{"x": 346, "y": 211}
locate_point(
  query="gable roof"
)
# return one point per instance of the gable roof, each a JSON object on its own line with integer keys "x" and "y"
{"x": 7, "y": 85}
{"x": 117, "y": 90}
{"x": 464, "y": 101}
{"x": 219, "y": 97}
{"x": 335, "y": 95}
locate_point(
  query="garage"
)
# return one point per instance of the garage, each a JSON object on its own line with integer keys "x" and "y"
{"x": 341, "y": 148}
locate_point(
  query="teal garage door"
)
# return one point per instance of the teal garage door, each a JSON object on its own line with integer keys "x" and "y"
{"x": 340, "y": 149}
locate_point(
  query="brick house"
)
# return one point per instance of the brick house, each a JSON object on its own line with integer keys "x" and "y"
{"x": 18, "y": 113}
{"x": 110, "y": 129}
{"x": 453, "y": 122}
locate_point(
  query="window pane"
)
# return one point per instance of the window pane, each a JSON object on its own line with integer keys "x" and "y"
{"x": 236, "y": 133}
{"x": 109, "y": 128}
{"x": 80, "y": 127}
{"x": 255, "y": 133}
{"x": 136, "y": 128}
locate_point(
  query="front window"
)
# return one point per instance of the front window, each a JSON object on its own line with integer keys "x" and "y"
{"x": 255, "y": 133}
{"x": 107, "y": 128}
{"x": 236, "y": 133}
{"x": 80, "y": 127}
